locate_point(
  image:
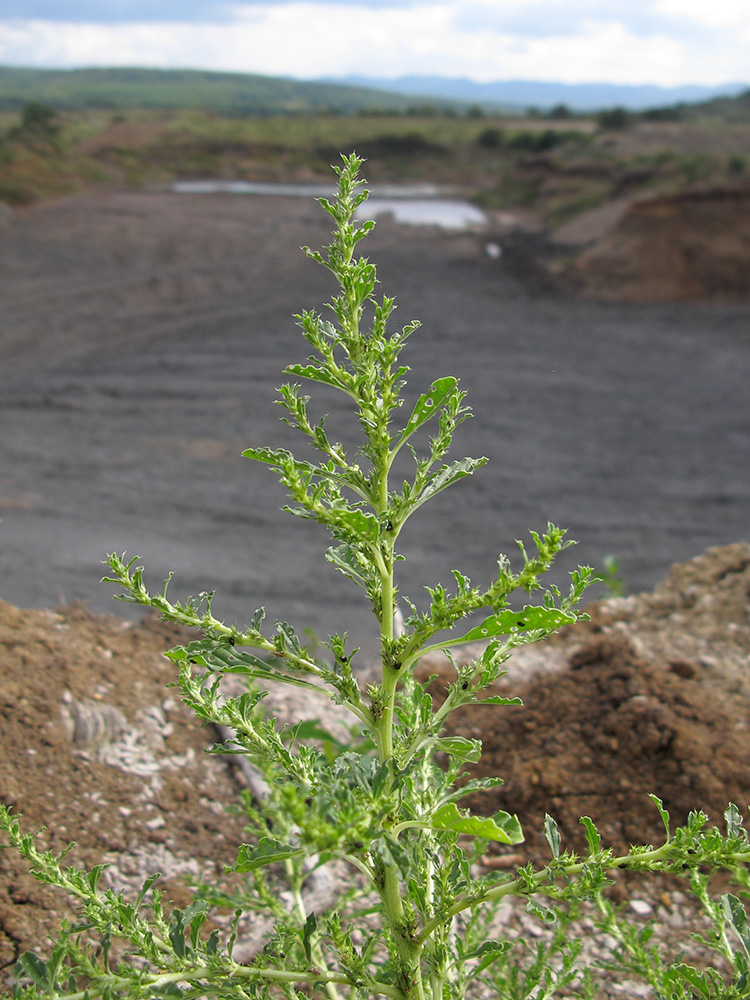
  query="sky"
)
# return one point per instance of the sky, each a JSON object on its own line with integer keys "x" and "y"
{"x": 664, "y": 42}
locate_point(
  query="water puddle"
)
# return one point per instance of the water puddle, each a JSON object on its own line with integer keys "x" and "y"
{"x": 409, "y": 204}
{"x": 415, "y": 212}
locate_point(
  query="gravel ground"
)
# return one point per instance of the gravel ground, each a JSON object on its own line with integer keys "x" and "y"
{"x": 144, "y": 334}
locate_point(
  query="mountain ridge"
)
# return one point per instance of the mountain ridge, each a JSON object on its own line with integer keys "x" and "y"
{"x": 584, "y": 97}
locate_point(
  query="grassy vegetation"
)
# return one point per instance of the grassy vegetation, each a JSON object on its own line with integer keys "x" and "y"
{"x": 556, "y": 167}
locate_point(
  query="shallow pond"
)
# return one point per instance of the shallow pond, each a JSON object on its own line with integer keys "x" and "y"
{"x": 409, "y": 204}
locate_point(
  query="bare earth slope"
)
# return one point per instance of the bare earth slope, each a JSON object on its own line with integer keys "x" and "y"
{"x": 691, "y": 247}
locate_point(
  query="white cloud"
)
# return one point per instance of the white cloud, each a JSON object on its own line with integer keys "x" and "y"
{"x": 311, "y": 39}
{"x": 713, "y": 13}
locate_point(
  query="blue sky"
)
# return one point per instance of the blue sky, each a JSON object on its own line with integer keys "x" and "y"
{"x": 667, "y": 42}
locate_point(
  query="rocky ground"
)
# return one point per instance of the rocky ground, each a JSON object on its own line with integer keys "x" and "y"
{"x": 144, "y": 334}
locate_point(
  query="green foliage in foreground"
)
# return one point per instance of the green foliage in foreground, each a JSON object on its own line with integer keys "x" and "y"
{"x": 414, "y": 915}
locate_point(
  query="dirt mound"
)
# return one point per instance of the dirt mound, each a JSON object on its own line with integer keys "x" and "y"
{"x": 650, "y": 695}
{"x": 597, "y": 738}
{"x": 692, "y": 247}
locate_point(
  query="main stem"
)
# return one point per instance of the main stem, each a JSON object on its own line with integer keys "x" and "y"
{"x": 408, "y": 947}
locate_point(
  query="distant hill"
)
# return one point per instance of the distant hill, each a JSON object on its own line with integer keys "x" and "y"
{"x": 730, "y": 109}
{"x": 224, "y": 93}
{"x": 584, "y": 97}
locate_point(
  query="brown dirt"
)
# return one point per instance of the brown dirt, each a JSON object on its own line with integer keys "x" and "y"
{"x": 649, "y": 696}
{"x": 133, "y": 789}
{"x": 690, "y": 247}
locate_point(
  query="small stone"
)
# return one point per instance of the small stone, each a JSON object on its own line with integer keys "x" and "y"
{"x": 641, "y": 907}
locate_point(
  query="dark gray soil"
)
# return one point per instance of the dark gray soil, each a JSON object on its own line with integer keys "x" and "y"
{"x": 143, "y": 335}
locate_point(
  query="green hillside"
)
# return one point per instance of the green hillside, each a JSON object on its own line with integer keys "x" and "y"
{"x": 223, "y": 93}
{"x": 730, "y": 109}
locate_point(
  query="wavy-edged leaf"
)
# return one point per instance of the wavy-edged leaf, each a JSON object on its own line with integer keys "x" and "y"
{"x": 475, "y": 785}
{"x": 662, "y": 812}
{"x": 211, "y": 654}
{"x": 545, "y": 913}
{"x": 530, "y": 618}
{"x": 428, "y": 404}
{"x": 460, "y": 748}
{"x": 311, "y": 925}
{"x": 487, "y": 953}
{"x": 448, "y": 475}
{"x": 267, "y": 852}
{"x": 552, "y": 833}
{"x": 736, "y": 916}
{"x": 317, "y": 374}
{"x": 35, "y": 968}
{"x": 502, "y": 827}
{"x": 592, "y": 834}
{"x": 345, "y": 559}
{"x": 271, "y": 456}
{"x": 733, "y": 819}
{"x": 361, "y": 525}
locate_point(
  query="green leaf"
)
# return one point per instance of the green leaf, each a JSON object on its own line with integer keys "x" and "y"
{"x": 290, "y": 639}
{"x": 363, "y": 526}
{"x": 346, "y": 560}
{"x": 544, "y": 913}
{"x": 460, "y": 748}
{"x": 447, "y": 476}
{"x": 663, "y": 813}
{"x": 268, "y": 852}
{"x": 488, "y": 952}
{"x": 497, "y": 699}
{"x": 530, "y": 618}
{"x": 552, "y": 834}
{"x": 476, "y": 785}
{"x": 592, "y": 834}
{"x": 733, "y": 819}
{"x": 696, "y": 979}
{"x": 32, "y": 966}
{"x": 428, "y": 404}
{"x": 502, "y": 827}
{"x": 316, "y": 374}
{"x": 271, "y": 456}
{"x": 736, "y": 915}
{"x": 311, "y": 925}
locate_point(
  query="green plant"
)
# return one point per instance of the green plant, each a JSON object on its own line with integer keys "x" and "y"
{"x": 611, "y": 576}
{"x": 413, "y": 917}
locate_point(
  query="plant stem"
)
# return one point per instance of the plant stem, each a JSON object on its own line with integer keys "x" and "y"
{"x": 408, "y": 948}
{"x": 315, "y": 950}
